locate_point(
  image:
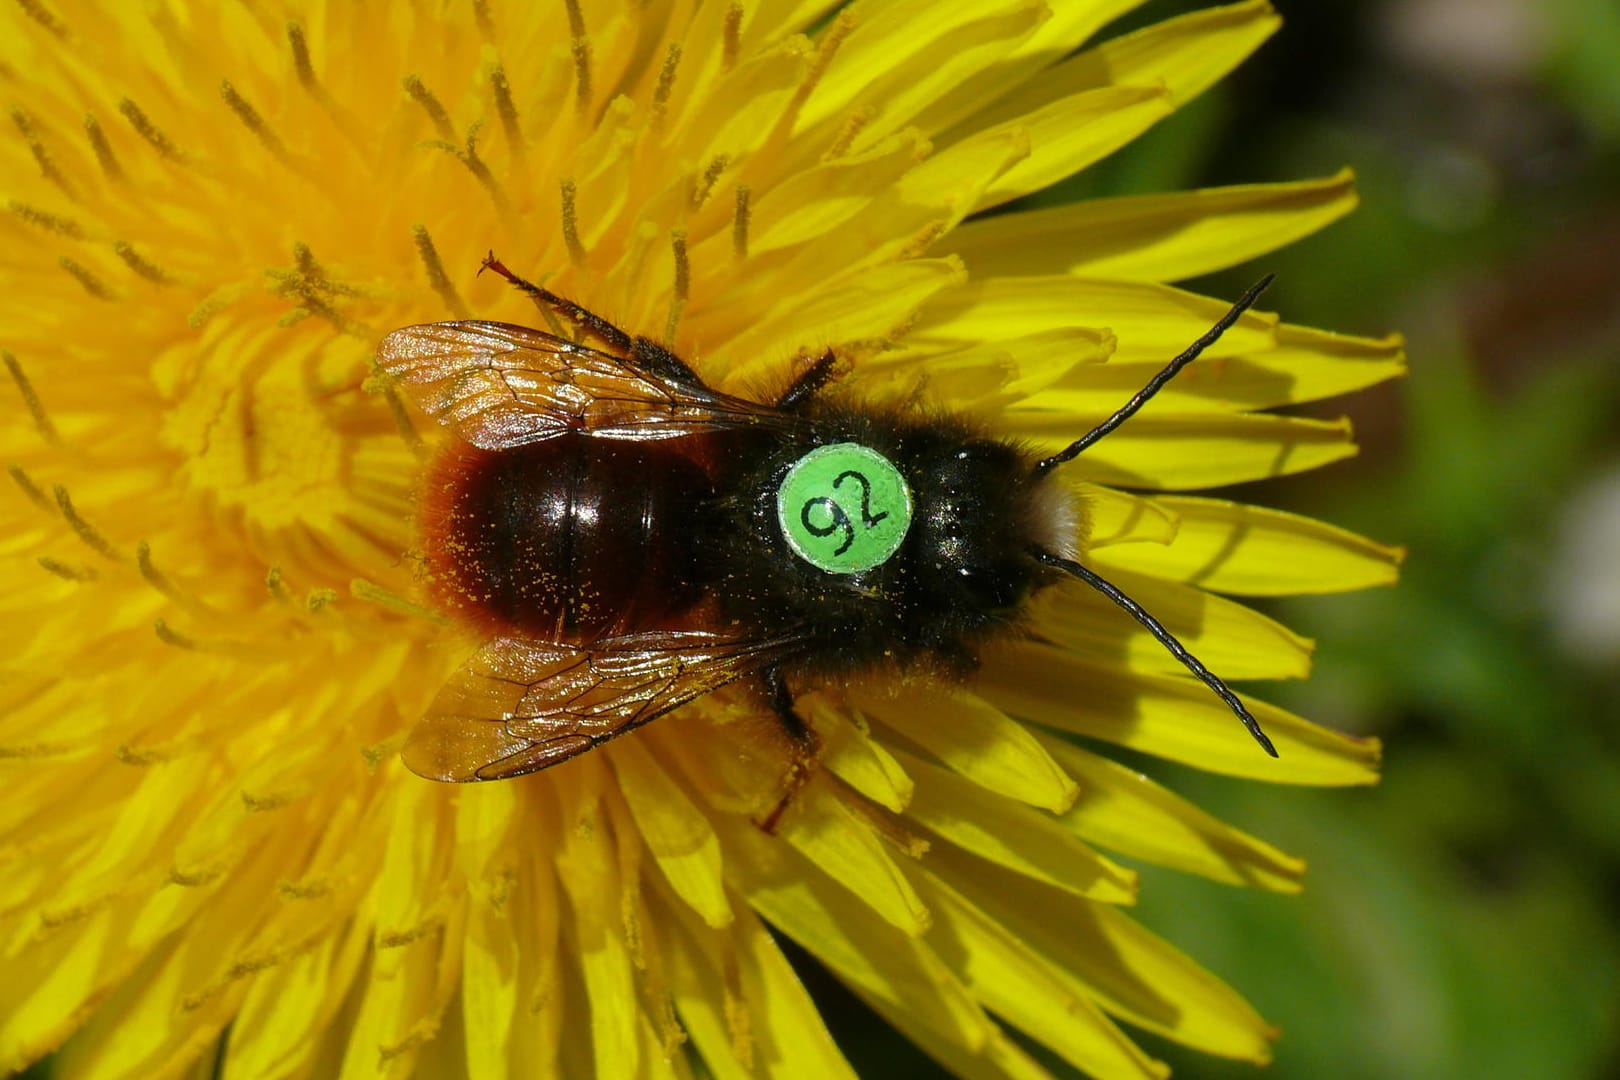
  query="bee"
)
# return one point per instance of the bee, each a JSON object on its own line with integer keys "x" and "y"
{"x": 628, "y": 539}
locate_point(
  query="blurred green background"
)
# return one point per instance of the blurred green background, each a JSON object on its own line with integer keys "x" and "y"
{"x": 1459, "y": 919}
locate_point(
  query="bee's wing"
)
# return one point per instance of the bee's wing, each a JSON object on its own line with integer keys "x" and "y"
{"x": 519, "y": 705}
{"x": 498, "y": 385}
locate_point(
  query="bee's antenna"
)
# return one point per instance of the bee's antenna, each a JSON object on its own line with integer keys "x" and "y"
{"x": 1165, "y": 637}
{"x": 1158, "y": 381}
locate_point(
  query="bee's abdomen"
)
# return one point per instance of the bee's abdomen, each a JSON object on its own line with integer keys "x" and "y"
{"x": 567, "y": 539}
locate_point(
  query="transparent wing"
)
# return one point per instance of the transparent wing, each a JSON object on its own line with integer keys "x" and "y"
{"x": 519, "y": 705}
{"x": 498, "y": 385}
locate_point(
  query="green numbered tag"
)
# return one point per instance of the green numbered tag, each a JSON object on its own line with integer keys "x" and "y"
{"x": 844, "y": 508}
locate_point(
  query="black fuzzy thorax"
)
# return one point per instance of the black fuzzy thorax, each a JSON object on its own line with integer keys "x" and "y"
{"x": 960, "y": 576}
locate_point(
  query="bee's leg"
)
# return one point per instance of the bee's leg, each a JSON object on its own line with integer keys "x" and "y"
{"x": 647, "y": 354}
{"x": 809, "y": 383}
{"x": 590, "y": 321}
{"x": 805, "y": 746}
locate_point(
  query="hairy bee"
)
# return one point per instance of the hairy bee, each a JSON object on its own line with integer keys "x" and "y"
{"x": 629, "y": 539}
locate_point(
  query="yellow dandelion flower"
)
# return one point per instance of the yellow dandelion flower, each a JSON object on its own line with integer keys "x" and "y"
{"x": 217, "y": 643}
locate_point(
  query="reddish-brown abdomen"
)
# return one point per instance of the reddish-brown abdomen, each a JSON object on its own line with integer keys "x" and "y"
{"x": 567, "y": 539}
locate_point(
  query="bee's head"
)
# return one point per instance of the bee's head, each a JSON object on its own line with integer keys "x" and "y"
{"x": 979, "y": 514}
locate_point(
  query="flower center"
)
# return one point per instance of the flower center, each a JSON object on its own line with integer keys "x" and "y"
{"x": 255, "y": 438}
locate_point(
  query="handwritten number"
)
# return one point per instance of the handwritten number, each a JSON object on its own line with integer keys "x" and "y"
{"x": 840, "y": 519}
{"x": 867, "y": 517}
